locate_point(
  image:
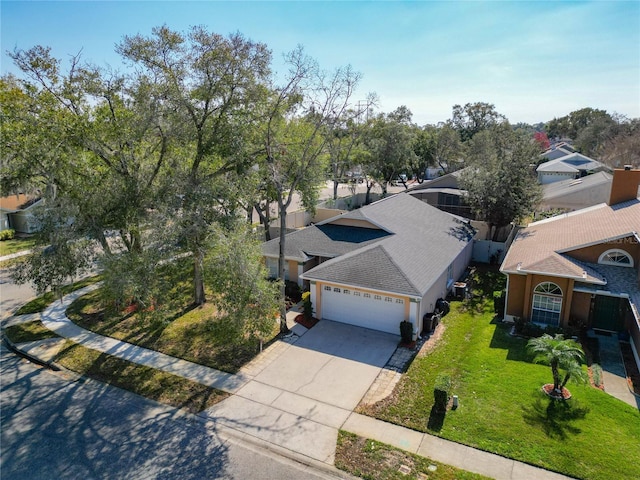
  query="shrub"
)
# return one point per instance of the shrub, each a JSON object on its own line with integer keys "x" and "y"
{"x": 532, "y": 330}
{"x": 406, "y": 331}
{"x": 306, "y": 305}
{"x": 292, "y": 290}
{"x": 596, "y": 372}
{"x": 8, "y": 234}
{"x": 441, "y": 391}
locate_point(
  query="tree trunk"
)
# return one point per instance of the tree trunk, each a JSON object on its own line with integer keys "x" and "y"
{"x": 265, "y": 219}
{"x": 198, "y": 281}
{"x": 281, "y": 260}
{"x": 335, "y": 189}
{"x": 556, "y": 377}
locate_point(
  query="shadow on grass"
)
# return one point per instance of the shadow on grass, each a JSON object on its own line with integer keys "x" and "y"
{"x": 555, "y": 418}
{"x": 516, "y": 347}
{"x": 436, "y": 419}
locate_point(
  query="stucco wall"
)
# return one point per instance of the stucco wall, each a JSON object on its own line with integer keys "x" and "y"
{"x": 592, "y": 253}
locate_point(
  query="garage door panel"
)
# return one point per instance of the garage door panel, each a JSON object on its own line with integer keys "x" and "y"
{"x": 363, "y": 310}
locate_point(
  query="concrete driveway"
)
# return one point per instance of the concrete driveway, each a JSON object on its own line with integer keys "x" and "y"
{"x": 333, "y": 362}
{"x": 298, "y": 395}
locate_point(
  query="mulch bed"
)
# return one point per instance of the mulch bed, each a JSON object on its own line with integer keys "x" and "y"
{"x": 306, "y": 322}
{"x": 548, "y": 389}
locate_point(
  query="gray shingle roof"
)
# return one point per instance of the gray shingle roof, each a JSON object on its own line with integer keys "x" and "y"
{"x": 423, "y": 243}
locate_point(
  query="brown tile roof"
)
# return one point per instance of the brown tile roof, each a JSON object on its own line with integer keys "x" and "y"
{"x": 15, "y": 202}
{"x": 540, "y": 246}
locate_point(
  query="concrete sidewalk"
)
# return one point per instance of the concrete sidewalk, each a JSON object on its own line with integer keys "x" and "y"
{"x": 299, "y": 424}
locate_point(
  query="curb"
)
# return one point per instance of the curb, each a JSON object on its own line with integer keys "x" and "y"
{"x": 32, "y": 358}
{"x": 230, "y": 432}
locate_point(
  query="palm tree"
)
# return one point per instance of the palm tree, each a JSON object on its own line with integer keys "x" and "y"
{"x": 560, "y": 354}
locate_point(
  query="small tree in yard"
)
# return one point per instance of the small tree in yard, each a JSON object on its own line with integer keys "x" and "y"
{"x": 559, "y": 354}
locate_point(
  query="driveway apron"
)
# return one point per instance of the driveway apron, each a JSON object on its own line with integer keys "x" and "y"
{"x": 306, "y": 391}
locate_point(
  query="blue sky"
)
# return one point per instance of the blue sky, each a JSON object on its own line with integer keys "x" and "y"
{"x": 533, "y": 60}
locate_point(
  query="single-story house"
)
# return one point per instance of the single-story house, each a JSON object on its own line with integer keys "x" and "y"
{"x": 581, "y": 268}
{"x": 572, "y": 166}
{"x": 379, "y": 265}
{"x": 558, "y": 150}
{"x": 444, "y": 193}
{"x": 574, "y": 194}
{"x": 16, "y": 212}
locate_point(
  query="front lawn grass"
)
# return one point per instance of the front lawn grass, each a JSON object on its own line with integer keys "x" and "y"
{"x": 28, "y": 332}
{"x": 502, "y": 409}
{"x": 145, "y": 381}
{"x": 38, "y": 304}
{"x": 378, "y": 461}
{"x": 15, "y": 245}
{"x": 197, "y": 334}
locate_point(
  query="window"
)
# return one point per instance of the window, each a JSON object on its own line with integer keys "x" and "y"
{"x": 346, "y": 292}
{"x": 399, "y": 300}
{"x": 388, "y": 299}
{"x": 616, "y": 257}
{"x": 377, "y": 297}
{"x": 356, "y": 294}
{"x": 336, "y": 289}
{"x": 547, "y": 304}
{"x": 367, "y": 295}
{"x": 327, "y": 287}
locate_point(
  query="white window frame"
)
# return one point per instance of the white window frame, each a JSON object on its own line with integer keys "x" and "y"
{"x": 607, "y": 258}
{"x": 547, "y": 304}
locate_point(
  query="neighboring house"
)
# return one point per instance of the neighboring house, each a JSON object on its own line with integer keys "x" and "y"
{"x": 444, "y": 193}
{"x": 574, "y": 194}
{"x": 581, "y": 268}
{"x": 571, "y": 166}
{"x": 379, "y": 265}
{"x": 558, "y": 150}
{"x": 16, "y": 212}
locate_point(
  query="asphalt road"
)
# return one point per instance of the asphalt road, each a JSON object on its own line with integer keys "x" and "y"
{"x": 52, "y": 426}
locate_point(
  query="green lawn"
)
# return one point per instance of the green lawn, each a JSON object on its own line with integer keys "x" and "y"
{"x": 151, "y": 383}
{"x": 502, "y": 409}
{"x": 15, "y": 245}
{"x": 198, "y": 334}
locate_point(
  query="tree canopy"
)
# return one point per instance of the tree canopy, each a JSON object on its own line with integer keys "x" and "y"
{"x": 500, "y": 182}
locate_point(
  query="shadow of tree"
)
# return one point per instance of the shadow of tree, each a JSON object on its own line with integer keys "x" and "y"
{"x": 436, "y": 419}
{"x": 555, "y": 417}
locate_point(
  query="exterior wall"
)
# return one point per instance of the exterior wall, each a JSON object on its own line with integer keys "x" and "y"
{"x": 545, "y": 178}
{"x": 292, "y": 269}
{"x": 580, "y": 308}
{"x": 4, "y": 221}
{"x": 592, "y": 253}
{"x": 353, "y": 222}
{"x": 323, "y": 214}
{"x": 515, "y": 296}
{"x": 24, "y": 222}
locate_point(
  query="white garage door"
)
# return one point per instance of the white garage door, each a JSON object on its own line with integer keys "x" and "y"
{"x": 378, "y": 312}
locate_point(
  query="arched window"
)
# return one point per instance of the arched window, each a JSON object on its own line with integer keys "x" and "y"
{"x": 547, "y": 304}
{"x": 616, "y": 257}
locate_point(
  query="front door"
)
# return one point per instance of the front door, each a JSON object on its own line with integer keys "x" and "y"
{"x": 608, "y": 313}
